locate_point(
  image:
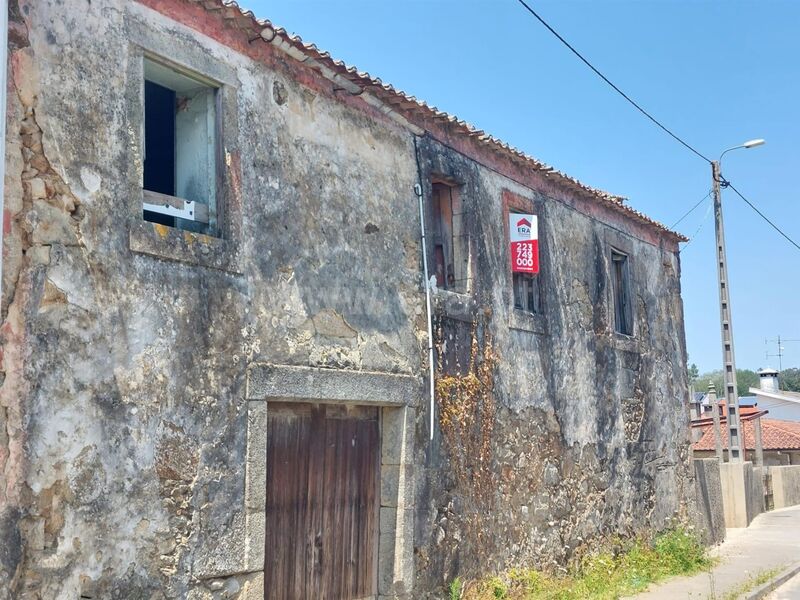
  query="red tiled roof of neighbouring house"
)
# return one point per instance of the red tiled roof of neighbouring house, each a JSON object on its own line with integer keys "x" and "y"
{"x": 775, "y": 435}
{"x": 413, "y": 110}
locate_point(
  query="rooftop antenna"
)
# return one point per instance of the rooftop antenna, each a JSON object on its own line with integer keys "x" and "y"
{"x": 779, "y": 341}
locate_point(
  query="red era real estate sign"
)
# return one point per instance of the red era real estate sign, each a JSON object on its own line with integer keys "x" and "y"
{"x": 523, "y": 232}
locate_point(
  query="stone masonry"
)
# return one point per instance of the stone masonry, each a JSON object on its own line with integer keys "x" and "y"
{"x": 139, "y": 360}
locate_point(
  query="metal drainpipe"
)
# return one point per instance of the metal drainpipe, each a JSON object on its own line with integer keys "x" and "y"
{"x": 3, "y": 100}
{"x": 418, "y": 191}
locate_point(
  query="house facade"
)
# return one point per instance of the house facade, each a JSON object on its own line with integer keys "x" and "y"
{"x": 215, "y": 340}
{"x": 780, "y": 442}
{"x": 781, "y": 404}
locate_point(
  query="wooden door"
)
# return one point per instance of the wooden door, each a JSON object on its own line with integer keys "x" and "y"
{"x": 322, "y": 502}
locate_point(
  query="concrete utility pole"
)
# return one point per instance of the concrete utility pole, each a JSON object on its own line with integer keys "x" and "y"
{"x": 726, "y": 325}
{"x": 730, "y": 392}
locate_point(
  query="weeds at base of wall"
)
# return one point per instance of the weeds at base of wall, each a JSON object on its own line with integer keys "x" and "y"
{"x": 751, "y": 584}
{"x": 604, "y": 574}
{"x": 454, "y": 589}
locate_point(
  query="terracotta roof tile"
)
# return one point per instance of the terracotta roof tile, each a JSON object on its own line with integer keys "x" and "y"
{"x": 775, "y": 435}
{"x": 414, "y": 109}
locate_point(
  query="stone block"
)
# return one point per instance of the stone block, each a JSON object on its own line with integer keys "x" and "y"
{"x": 256, "y": 464}
{"x": 255, "y": 538}
{"x": 36, "y": 188}
{"x": 312, "y": 384}
{"x": 397, "y": 486}
{"x": 223, "y": 553}
{"x": 53, "y": 226}
{"x": 397, "y": 436}
{"x": 252, "y": 587}
{"x": 396, "y": 561}
{"x": 388, "y": 520}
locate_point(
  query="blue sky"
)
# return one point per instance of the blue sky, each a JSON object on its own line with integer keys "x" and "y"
{"x": 717, "y": 73}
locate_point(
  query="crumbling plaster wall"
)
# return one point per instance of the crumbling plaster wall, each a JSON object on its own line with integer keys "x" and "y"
{"x": 122, "y": 420}
{"x": 590, "y": 430}
{"x": 123, "y": 437}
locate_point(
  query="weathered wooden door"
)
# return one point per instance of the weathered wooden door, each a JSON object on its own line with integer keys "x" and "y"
{"x": 322, "y": 502}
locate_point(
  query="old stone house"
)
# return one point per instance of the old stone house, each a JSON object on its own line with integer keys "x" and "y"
{"x": 215, "y": 342}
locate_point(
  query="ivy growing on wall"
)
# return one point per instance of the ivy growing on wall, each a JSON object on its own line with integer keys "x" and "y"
{"x": 467, "y": 415}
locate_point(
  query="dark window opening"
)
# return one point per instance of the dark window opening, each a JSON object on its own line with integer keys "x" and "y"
{"x": 623, "y": 317}
{"x": 180, "y": 150}
{"x": 450, "y": 240}
{"x": 159, "y": 145}
{"x": 526, "y": 292}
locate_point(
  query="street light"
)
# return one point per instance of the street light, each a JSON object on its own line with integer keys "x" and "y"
{"x": 726, "y": 325}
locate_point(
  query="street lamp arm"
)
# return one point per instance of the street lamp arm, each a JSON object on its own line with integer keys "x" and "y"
{"x": 729, "y": 149}
{"x": 748, "y": 144}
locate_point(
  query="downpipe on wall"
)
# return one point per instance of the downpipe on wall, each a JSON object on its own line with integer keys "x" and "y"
{"x": 418, "y": 191}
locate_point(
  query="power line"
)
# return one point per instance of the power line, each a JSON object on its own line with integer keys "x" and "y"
{"x": 657, "y": 122}
{"x": 763, "y": 216}
{"x": 608, "y": 81}
{"x": 690, "y": 211}
{"x": 699, "y": 227}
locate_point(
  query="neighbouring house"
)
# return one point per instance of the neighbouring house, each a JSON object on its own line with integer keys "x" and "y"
{"x": 780, "y": 403}
{"x": 780, "y": 440}
{"x": 699, "y": 405}
{"x": 700, "y": 408}
{"x": 215, "y": 339}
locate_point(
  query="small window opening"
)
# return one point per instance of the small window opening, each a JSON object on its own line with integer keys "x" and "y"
{"x": 450, "y": 239}
{"x": 526, "y": 292}
{"x": 623, "y": 318}
{"x": 180, "y": 148}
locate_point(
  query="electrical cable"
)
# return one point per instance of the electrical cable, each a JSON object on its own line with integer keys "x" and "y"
{"x": 608, "y": 81}
{"x": 763, "y": 216}
{"x": 691, "y": 210}
{"x": 699, "y": 227}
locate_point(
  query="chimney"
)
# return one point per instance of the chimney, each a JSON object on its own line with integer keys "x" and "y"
{"x": 768, "y": 379}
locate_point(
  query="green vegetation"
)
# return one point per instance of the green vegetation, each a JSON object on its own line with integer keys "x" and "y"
{"x": 751, "y": 584}
{"x": 790, "y": 380}
{"x": 606, "y": 574}
{"x": 745, "y": 379}
{"x": 454, "y": 590}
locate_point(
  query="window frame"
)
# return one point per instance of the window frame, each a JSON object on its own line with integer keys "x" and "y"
{"x": 456, "y": 190}
{"x": 620, "y": 277}
{"x": 186, "y": 213}
{"x": 526, "y": 281}
{"x": 150, "y": 38}
{"x": 520, "y": 318}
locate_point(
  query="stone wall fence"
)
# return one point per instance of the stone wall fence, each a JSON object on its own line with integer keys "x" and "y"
{"x": 785, "y": 485}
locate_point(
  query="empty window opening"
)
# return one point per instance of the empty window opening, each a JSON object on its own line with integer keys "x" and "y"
{"x": 526, "y": 292}
{"x": 180, "y": 148}
{"x": 623, "y": 317}
{"x": 450, "y": 239}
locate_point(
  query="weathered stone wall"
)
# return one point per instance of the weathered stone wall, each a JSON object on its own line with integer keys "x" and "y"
{"x": 588, "y": 432}
{"x": 123, "y": 419}
{"x": 709, "y": 514}
{"x": 124, "y": 438}
{"x": 785, "y": 485}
